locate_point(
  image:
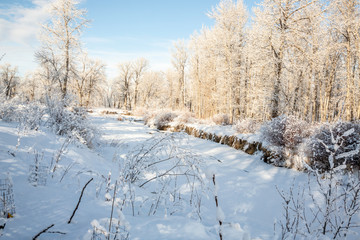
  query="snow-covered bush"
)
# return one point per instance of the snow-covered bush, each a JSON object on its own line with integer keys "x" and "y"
{"x": 247, "y": 125}
{"x": 28, "y": 115}
{"x": 340, "y": 142}
{"x": 285, "y": 131}
{"x": 148, "y": 117}
{"x": 221, "y": 119}
{"x": 185, "y": 117}
{"x": 70, "y": 122}
{"x": 159, "y": 119}
{"x": 163, "y": 119}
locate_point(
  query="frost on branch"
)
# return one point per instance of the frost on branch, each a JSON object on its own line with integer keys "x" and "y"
{"x": 285, "y": 135}
{"x": 335, "y": 145}
{"x": 28, "y": 115}
{"x": 285, "y": 131}
{"x": 70, "y": 122}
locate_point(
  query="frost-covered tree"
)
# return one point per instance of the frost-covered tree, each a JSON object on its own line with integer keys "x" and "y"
{"x": 216, "y": 63}
{"x": 154, "y": 90}
{"x": 61, "y": 43}
{"x": 125, "y": 82}
{"x": 30, "y": 88}
{"x": 9, "y": 80}
{"x": 230, "y": 19}
{"x": 140, "y": 66}
{"x": 86, "y": 82}
{"x": 345, "y": 17}
{"x": 179, "y": 61}
{"x": 285, "y": 38}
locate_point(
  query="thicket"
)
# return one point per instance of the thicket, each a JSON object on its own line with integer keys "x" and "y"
{"x": 71, "y": 122}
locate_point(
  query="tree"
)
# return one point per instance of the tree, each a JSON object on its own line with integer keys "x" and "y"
{"x": 230, "y": 19}
{"x": 61, "y": 42}
{"x": 203, "y": 73}
{"x": 125, "y": 82}
{"x": 140, "y": 66}
{"x": 9, "y": 80}
{"x": 179, "y": 60}
{"x": 90, "y": 75}
{"x": 345, "y": 17}
{"x": 154, "y": 90}
{"x": 285, "y": 40}
{"x": 30, "y": 88}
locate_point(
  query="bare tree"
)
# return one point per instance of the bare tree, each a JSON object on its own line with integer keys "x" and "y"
{"x": 9, "y": 80}
{"x": 230, "y": 19}
{"x": 125, "y": 81}
{"x": 345, "y": 24}
{"x": 140, "y": 66}
{"x": 61, "y": 41}
{"x": 90, "y": 75}
{"x": 179, "y": 60}
{"x": 154, "y": 91}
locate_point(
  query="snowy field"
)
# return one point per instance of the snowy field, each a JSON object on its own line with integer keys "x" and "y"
{"x": 169, "y": 198}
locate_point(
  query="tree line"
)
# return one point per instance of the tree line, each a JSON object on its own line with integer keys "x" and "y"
{"x": 292, "y": 57}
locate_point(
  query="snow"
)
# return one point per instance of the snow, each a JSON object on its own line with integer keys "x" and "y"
{"x": 229, "y": 130}
{"x": 245, "y": 187}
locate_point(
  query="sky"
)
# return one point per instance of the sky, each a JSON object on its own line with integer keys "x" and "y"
{"x": 120, "y": 30}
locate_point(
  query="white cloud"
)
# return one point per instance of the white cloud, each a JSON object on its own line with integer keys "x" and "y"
{"x": 19, "y": 28}
{"x": 20, "y": 24}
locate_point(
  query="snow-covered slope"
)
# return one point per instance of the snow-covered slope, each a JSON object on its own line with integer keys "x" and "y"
{"x": 246, "y": 190}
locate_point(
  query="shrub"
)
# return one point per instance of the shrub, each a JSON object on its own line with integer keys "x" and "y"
{"x": 285, "y": 131}
{"x": 28, "y": 115}
{"x": 185, "y": 117}
{"x": 148, "y": 117}
{"x": 70, "y": 122}
{"x": 163, "y": 119}
{"x": 339, "y": 142}
{"x": 247, "y": 125}
{"x": 221, "y": 119}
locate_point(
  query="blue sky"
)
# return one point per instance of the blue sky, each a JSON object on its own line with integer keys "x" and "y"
{"x": 120, "y": 30}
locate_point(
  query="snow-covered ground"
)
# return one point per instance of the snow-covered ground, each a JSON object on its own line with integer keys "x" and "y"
{"x": 246, "y": 186}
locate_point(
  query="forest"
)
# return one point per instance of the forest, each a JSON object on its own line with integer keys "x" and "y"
{"x": 292, "y": 57}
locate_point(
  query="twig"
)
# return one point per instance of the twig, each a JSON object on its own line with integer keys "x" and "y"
{"x": 2, "y": 56}
{"x": 43, "y": 231}
{"x": 67, "y": 170}
{"x": 112, "y": 209}
{"x": 77, "y": 205}
{"x": 57, "y": 232}
{"x": 217, "y": 206}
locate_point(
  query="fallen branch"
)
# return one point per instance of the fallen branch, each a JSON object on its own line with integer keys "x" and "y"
{"x": 77, "y": 205}
{"x": 43, "y": 231}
